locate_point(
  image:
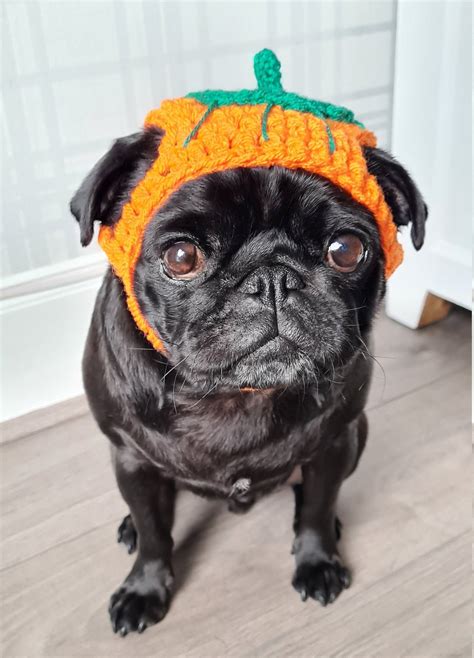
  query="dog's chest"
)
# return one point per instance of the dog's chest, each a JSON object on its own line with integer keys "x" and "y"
{"x": 239, "y": 447}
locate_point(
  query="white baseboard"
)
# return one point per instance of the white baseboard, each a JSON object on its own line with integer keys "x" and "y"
{"x": 43, "y": 336}
{"x": 42, "y": 419}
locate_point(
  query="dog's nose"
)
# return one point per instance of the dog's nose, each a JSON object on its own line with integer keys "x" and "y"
{"x": 272, "y": 283}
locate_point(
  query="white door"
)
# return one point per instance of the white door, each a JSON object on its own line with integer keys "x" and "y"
{"x": 431, "y": 135}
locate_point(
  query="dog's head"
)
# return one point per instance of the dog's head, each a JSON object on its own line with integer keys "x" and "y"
{"x": 262, "y": 277}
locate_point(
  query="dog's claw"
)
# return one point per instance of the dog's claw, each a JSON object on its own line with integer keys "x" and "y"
{"x": 131, "y": 610}
{"x": 322, "y": 581}
{"x": 345, "y": 577}
{"x": 320, "y": 599}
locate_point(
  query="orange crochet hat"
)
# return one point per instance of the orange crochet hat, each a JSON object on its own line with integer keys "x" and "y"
{"x": 210, "y": 131}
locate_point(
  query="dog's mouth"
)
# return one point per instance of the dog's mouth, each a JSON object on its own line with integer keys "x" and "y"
{"x": 268, "y": 367}
{"x": 277, "y": 346}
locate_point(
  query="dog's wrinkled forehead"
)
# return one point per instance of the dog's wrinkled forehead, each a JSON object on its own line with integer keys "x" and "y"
{"x": 281, "y": 206}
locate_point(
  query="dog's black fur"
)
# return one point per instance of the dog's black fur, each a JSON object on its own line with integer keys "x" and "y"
{"x": 267, "y": 313}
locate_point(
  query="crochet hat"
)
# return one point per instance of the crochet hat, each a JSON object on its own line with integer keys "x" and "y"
{"x": 210, "y": 131}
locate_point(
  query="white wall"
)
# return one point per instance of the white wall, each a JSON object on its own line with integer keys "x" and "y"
{"x": 79, "y": 74}
{"x": 42, "y": 339}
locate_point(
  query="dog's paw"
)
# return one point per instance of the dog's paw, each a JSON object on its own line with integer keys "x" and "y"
{"x": 322, "y": 581}
{"x": 126, "y": 534}
{"x": 130, "y": 610}
{"x": 143, "y": 598}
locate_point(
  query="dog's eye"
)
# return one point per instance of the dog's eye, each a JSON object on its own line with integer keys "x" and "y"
{"x": 345, "y": 253}
{"x": 183, "y": 260}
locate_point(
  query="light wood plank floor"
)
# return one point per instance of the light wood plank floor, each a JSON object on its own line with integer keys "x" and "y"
{"x": 406, "y": 515}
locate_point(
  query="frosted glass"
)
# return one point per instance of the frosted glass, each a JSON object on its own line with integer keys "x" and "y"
{"x": 80, "y": 74}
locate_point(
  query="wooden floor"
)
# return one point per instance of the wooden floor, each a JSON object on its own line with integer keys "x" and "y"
{"x": 406, "y": 515}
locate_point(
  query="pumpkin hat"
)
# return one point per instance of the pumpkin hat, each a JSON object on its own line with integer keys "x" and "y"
{"x": 210, "y": 131}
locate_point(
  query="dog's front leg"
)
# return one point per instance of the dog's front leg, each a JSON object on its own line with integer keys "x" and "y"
{"x": 320, "y": 573}
{"x": 144, "y": 596}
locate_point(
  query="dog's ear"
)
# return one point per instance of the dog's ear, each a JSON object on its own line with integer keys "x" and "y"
{"x": 401, "y": 193}
{"x": 107, "y": 187}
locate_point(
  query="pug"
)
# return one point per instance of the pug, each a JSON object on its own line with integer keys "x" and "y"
{"x": 264, "y": 283}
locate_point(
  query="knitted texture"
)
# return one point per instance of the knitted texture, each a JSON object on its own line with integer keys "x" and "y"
{"x": 270, "y": 92}
{"x": 204, "y": 136}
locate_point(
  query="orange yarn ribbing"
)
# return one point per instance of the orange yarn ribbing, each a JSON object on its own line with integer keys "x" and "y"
{"x": 232, "y": 137}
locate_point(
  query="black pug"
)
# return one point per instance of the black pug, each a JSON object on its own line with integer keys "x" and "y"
{"x": 263, "y": 284}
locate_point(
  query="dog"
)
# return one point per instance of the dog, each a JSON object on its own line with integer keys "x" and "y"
{"x": 264, "y": 283}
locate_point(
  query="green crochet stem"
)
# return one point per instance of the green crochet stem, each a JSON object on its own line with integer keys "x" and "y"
{"x": 270, "y": 92}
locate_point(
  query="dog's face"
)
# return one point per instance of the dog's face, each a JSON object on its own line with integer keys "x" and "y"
{"x": 259, "y": 277}
{"x": 256, "y": 278}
